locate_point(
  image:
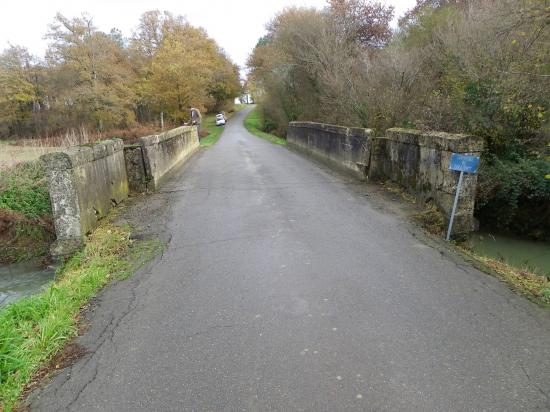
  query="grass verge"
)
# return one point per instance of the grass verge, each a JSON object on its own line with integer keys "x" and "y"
{"x": 533, "y": 286}
{"x": 214, "y": 132}
{"x": 33, "y": 329}
{"x": 252, "y": 124}
{"x": 26, "y": 228}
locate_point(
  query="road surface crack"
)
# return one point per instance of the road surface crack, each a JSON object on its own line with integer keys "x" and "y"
{"x": 106, "y": 335}
{"x": 535, "y": 385}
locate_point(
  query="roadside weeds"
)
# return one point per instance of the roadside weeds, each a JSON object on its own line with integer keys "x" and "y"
{"x": 34, "y": 330}
{"x": 533, "y": 286}
{"x": 252, "y": 124}
{"x": 26, "y": 228}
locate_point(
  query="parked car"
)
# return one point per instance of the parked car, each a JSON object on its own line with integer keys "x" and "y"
{"x": 220, "y": 119}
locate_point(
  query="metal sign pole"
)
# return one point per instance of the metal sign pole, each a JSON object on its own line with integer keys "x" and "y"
{"x": 458, "y": 187}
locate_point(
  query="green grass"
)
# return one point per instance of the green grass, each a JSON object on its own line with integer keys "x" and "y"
{"x": 214, "y": 132}
{"x": 24, "y": 189}
{"x": 33, "y": 329}
{"x": 253, "y": 125}
{"x": 26, "y": 229}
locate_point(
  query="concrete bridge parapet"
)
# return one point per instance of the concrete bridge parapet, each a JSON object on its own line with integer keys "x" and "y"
{"x": 416, "y": 160}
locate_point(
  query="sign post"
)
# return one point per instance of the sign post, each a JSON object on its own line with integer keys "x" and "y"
{"x": 464, "y": 164}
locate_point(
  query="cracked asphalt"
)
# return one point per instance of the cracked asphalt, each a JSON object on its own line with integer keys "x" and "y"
{"x": 288, "y": 287}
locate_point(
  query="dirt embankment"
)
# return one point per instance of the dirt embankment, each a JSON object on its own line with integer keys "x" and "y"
{"x": 26, "y": 228}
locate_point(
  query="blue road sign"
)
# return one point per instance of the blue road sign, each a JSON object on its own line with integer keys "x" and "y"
{"x": 464, "y": 163}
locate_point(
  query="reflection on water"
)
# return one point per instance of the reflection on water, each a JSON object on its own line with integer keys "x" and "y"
{"x": 23, "y": 279}
{"x": 520, "y": 253}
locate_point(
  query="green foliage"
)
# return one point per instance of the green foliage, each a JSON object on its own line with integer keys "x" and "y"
{"x": 24, "y": 189}
{"x": 515, "y": 196}
{"x": 33, "y": 329}
{"x": 25, "y": 213}
{"x": 253, "y": 123}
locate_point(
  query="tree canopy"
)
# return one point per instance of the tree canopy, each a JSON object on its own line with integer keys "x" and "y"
{"x": 97, "y": 80}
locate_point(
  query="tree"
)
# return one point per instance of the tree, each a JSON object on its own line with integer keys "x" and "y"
{"x": 93, "y": 73}
{"x": 363, "y": 21}
{"x": 94, "y": 81}
{"x": 18, "y": 93}
{"x": 188, "y": 68}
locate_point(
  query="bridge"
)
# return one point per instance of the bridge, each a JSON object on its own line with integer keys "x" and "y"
{"x": 287, "y": 286}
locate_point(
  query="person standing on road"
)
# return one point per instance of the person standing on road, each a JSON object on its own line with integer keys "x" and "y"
{"x": 195, "y": 118}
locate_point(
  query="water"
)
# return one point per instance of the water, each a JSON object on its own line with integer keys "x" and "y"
{"x": 520, "y": 253}
{"x": 23, "y": 279}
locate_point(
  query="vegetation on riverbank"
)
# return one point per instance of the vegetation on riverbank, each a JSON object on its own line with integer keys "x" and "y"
{"x": 26, "y": 228}
{"x": 532, "y": 285}
{"x": 33, "y": 329}
{"x": 254, "y": 124}
{"x": 535, "y": 286}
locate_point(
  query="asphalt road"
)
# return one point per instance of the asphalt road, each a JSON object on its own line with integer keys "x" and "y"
{"x": 285, "y": 287}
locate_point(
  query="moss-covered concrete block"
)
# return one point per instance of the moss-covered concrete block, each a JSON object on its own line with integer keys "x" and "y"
{"x": 418, "y": 161}
{"x": 85, "y": 182}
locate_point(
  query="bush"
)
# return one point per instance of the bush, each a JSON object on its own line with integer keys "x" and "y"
{"x": 514, "y": 196}
{"x": 23, "y": 189}
{"x": 26, "y": 228}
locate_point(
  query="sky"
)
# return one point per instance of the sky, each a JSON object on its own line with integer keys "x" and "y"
{"x": 236, "y": 25}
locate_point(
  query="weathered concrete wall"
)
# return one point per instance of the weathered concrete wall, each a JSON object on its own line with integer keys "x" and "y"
{"x": 161, "y": 153}
{"x": 418, "y": 161}
{"x": 85, "y": 182}
{"x": 345, "y": 147}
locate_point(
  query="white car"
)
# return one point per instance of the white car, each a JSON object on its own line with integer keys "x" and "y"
{"x": 220, "y": 120}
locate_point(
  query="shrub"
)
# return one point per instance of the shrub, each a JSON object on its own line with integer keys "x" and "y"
{"x": 26, "y": 228}
{"x": 515, "y": 196}
{"x": 23, "y": 189}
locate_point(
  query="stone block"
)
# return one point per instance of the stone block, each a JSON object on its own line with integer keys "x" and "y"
{"x": 344, "y": 147}
{"x": 418, "y": 161}
{"x": 85, "y": 182}
{"x": 163, "y": 152}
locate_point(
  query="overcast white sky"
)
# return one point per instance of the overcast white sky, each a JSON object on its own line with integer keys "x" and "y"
{"x": 235, "y": 25}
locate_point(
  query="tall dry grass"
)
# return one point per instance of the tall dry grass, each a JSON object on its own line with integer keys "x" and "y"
{"x": 29, "y": 149}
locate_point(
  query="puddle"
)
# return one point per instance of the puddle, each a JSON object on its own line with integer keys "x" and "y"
{"x": 520, "y": 253}
{"x": 23, "y": 279}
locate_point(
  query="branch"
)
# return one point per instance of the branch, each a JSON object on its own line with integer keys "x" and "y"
{"x": 524, "y": 74}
